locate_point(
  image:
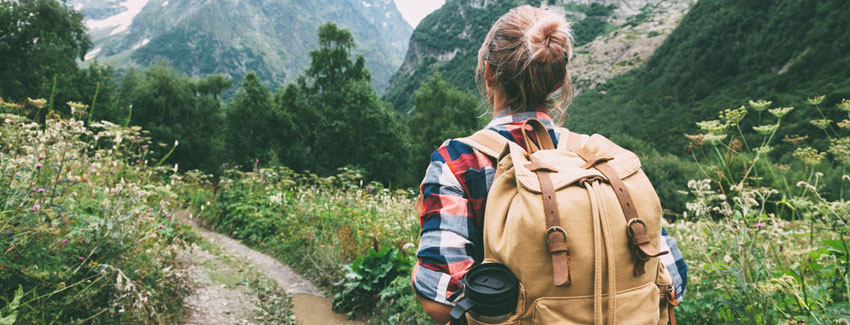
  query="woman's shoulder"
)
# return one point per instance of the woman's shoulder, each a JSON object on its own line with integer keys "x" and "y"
{"x": 460, "y": 156}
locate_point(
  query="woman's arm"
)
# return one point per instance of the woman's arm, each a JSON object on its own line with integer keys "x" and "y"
{"x": 447, "y": 229}
{"x": 675, "y": 264}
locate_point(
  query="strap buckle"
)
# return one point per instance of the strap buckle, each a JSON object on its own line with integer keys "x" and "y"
{"x": 553, "y": 229}
{"x": 629, "y": 229}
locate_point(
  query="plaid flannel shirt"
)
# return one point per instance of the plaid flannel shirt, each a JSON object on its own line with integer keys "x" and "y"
{"x": 454, "y": 193}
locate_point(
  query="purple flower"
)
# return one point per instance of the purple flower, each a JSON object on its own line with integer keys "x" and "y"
{"x": 38, "y": 165}
{"x": 759, "y": 225}
{"x": 82, "y": 258}
{"x": 36, "y": 207}
{"x": 103, "y": 271}
{"x": 161, "y": 226}
{"x": 64, "y": 241}
{"x": 41, "y": 190}
{"x": 8, "y": 234}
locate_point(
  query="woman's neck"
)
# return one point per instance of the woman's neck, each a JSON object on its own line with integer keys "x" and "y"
{"x": 500, "y": 103}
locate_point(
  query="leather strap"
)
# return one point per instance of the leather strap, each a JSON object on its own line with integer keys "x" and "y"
{"x": 671, "y": 304}
{"x": 556, "y": 236}
{"x": 543, "y": 139}
{"x": 488, "y": 142}
{"x": 642, "y": 249}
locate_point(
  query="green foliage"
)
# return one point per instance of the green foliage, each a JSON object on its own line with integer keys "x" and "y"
{"x": 753, "y": 265}
{"x": 368, "y": 276}
{"x": 337, "y": 118}
{"x": 41, "y": 39}
{"x": 723, "y": 53}
{"x": 440, "y": 112}
{"x": 250, "y": 123}
{"x": 86, "y": 231}
{"x": 586, "y": 30}
{"x": 177, "y": 111}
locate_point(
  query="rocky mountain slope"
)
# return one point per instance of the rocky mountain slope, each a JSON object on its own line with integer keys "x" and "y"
{"x": 271, "y": 37}
{"x": 612, "y": 37}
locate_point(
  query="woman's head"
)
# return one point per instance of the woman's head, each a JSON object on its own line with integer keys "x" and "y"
{"x": 524, "y": 57}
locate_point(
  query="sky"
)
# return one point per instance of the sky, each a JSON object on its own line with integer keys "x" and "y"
{"x": 414, "y": 10}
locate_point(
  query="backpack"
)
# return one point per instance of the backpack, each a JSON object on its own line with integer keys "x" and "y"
{"x": 575, "y": 223}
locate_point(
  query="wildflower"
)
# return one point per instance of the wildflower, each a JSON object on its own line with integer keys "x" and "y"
{"x": 36, "y": 207}
{"x": 8, "y": 234}
{"x": 103, "y": 271}
{"x": 810, "y": 156}
{"x": 815, "y": 100}
{"x": 795, "y": 140}
{"x": 844, "y": 105}
{"x": 760, "y": 104}
{"x": 78, "y": 110}
{"x": 64, "y": 241}
{"x": 733, "y": 116}
{"x": 714, "y": 138}
{"x": 696, "y": 140}
{"x": 82, "y": 258}
{"x": 38, "y": 103}
{"x": 41, "y": 190}
{"x": 845, "y": 124}
{"x": 781, "y": 111}
{"x": 766, "y": 129}
{"x": 38, "y": 165}
{"x": 161, "y": 226}
{"x": 782, "y": 167}
{"x": 821, "y": 123}
{"x": 759, "y": 225}
{"x": 840, "y": 148}
{"x": 763, "y": 150}
{"x": 713, "y": 126}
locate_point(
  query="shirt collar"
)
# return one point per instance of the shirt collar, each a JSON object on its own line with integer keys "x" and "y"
{"x": 507, "y": 117}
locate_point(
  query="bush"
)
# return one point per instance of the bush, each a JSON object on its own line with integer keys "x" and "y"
{"x": 87, "y": 230}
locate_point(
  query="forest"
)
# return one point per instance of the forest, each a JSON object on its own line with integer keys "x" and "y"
{"x": 98, "y": 163}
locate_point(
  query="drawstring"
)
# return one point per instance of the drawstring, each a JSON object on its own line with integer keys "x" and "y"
{"x": 601, "y": 231}
{"x": 609, "y": 252}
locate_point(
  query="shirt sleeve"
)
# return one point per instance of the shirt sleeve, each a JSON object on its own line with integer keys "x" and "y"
{"x": 445, "y": 248}
{"x": 675, "y": 264}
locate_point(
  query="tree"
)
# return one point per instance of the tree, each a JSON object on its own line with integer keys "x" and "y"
{"x": 440, "y": 112}
{"x": 173, "y": 108}
{"x": 338, "y": 117}
{"x": 39, "y": 39}
{"x": 249, "y": 123}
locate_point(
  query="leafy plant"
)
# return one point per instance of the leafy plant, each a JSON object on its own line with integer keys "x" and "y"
{"x": 367, "y": 277}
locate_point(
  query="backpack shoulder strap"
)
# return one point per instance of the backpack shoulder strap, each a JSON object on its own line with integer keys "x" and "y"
{"x": 488, "y": 142}
{"x": 568, "y": 140}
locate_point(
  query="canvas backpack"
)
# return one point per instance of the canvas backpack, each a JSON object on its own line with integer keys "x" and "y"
{"x": 575, "y": 223}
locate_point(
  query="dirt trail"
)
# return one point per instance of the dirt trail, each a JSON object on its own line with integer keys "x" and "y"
{"x": 309, "y": 304}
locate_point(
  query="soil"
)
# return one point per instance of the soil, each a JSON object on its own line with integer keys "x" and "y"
{"x": 227, "y": 303}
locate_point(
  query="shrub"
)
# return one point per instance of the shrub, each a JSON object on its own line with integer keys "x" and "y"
{"x": 86, "y": 224}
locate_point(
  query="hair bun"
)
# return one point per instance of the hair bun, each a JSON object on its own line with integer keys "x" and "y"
{"x": 548, "y": 39}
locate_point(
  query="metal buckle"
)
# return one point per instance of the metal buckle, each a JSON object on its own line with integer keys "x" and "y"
{"x": 555, "y": 228}
{"x": 629, "y": 230}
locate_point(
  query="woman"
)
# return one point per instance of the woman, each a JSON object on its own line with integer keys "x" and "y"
{"x": 522, "y": 71}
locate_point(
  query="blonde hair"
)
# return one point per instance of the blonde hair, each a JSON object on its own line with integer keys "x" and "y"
{"x": 528, "y": 50}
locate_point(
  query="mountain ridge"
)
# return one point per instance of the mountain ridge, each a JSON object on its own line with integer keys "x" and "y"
{"x": 272, "y": 38}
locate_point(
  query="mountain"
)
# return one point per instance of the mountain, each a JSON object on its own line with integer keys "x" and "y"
{"x": 724, "y": 53}
{"x": 271, "y": 37}
{"x": 612, "y": 37}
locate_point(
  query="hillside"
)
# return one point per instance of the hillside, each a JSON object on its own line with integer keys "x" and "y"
{"x": 723, "y": 53}
{"x": 232, "y": 37}
{"x": 612, "y": 37}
